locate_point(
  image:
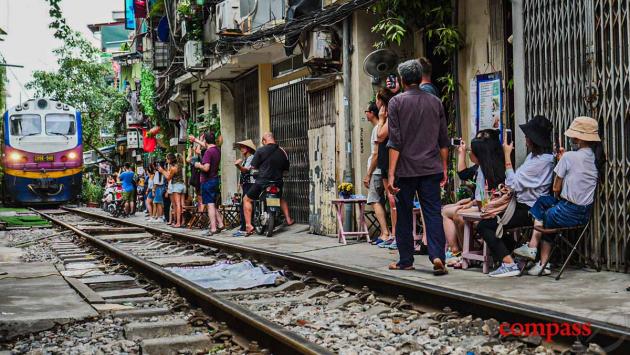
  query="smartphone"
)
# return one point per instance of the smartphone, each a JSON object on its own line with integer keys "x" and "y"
{"x": 508, "y": 136}
{"x": 456, "y": 141}
{"x": 391, "y": 81}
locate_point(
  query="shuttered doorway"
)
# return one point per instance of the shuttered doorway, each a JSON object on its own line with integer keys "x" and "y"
{"x": 289, "y": 124}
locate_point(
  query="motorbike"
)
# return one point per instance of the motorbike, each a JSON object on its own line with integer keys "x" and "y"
{"x": 117, "y": 207}
{"x": 267, "y": 213}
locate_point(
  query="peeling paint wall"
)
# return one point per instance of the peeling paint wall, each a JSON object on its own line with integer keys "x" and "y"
{"x": 321, "y": 142}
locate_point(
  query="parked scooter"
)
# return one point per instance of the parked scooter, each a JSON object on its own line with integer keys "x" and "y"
{"x": 267, "y": 213}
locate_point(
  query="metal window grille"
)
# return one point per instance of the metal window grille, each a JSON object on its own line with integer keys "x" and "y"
{"x": 322, "y": 108}
{"x": 577, "y": 63}
{"x": 289, "y": 124}
{"x": 247, "y": 120}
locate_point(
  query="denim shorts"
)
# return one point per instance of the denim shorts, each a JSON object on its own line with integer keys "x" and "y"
{"x": 210, "y": 191}
{"x": 150, "y": 195}
{"x": 556, "y": 213}
{"x": 159, "y": 195}
{"x": 178, "y": 188}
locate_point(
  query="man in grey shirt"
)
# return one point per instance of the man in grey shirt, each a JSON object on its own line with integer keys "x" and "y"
{"x": 418, "y": 142}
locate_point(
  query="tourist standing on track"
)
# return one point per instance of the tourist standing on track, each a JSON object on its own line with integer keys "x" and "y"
{"x": 209, "y": 167}
{"x": 158, "y": 195}
{"x": 194, "y": 156}
{"x": 272, "y": 162}
{"x": 373, "y": 180}
{"x": 418, "y": 154}
{"x": 175, "y": 176}
{"x": 149, "y": 200}
{"x": 127, "y": 180}
{"x": 244, "y": 165}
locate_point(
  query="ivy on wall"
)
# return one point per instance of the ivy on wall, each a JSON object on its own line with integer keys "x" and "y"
{"x": 147, "y": 93}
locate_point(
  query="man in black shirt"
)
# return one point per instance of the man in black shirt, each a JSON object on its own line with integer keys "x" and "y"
{"x": 272, "y": 162}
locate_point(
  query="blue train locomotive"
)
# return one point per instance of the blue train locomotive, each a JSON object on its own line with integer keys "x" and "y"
{"x": 42, "y": 153}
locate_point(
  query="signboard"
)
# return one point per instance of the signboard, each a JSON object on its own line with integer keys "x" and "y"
{"x": 130, "y": 15}
{"x": 489, "y": 101}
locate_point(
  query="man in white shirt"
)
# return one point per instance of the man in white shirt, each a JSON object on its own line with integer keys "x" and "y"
{"x": 373, "y": 181}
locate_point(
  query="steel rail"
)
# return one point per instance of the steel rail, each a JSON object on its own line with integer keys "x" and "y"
{"x": 605, "y": 334}
{"x": 268, "y": 334}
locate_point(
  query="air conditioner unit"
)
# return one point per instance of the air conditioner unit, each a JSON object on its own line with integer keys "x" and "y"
{"x": 228, "y": 15}
{"x": 193, "y": 55}
{"x": 319, "y": 47}
{"x": 259, "y": 14}
{"x": 134, "y": 118}
{"x": 134, "y": 140}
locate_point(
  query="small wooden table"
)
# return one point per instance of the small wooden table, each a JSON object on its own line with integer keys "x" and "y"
{"x": 480, "y": 255}
{"x": 363, "y": 229}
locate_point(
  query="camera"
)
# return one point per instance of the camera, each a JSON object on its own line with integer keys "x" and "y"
{"x": 456, "y": 141}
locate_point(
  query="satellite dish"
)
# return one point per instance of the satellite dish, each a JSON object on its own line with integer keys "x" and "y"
{"x": 380, "y": 63}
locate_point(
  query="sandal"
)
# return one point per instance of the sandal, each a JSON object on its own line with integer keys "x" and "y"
{"x": 395, "y": 266}
{"x": 439, "y": 268}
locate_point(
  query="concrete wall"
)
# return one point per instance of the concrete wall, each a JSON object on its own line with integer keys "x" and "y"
{"x": 481, "y": 53}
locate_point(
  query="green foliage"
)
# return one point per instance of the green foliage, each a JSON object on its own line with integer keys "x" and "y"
{"x": 62, "y": 30}
{"x": 81, "y": 81}
{"x": 184, "y": 9}
{"x": 147, "y": 93}
{"x": 92, "y": 192}
{"x": 157, "y": 9}
{"x": 401, "y": 17}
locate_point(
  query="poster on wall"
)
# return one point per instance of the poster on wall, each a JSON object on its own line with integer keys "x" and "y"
{"x": 489, "y": 101}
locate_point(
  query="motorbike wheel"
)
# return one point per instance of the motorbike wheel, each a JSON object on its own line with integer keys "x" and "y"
{"x": 271, "y": 220}
{"x": 111, "y": 208}
{"x": 257, "y": 219}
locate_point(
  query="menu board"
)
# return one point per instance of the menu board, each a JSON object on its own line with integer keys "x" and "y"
{"x": 489, "y": 101}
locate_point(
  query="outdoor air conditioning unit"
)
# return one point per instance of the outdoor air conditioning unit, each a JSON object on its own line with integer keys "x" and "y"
{"x": 134, "y": 118}
{"x": 193, "y": 55}
{"x": 134, "y": 140}
{"x": 258, "y": 14}
{"x": 228, "y": 15}
{"x": 319, "y": 47}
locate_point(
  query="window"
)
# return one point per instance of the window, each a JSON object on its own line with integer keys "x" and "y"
{"x": 60, "y": 124}
{"x": 26, "y": 125}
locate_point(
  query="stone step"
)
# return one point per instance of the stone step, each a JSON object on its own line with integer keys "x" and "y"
{"x": 177, "y": 345}
{"x": 159, "y": 329}
{"x": 121, "y": 293}
{"x": 143, "y": 313}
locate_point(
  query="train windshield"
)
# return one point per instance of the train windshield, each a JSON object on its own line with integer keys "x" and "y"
{"x": 26, "y": 125}
{"x": 60, "y": 124}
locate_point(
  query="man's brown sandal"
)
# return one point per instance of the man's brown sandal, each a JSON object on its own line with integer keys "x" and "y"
{"x": 395, "y": 266}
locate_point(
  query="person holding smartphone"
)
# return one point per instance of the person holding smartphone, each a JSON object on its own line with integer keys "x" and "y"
{"x": 530, "y": 181}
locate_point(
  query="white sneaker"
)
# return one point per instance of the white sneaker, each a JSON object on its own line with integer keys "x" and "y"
{"x": 506, "y": 270}
{"x": 535, "y": 270}
{"x": 526, "y": 252}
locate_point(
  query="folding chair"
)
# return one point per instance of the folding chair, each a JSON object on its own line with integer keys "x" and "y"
{"x": 373, "y": 226}
{"x": 562, "y": 238}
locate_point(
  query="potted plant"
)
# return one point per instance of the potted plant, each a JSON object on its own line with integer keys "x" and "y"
{"x": 345, "y": 190}
{"x": 92, "y": 193}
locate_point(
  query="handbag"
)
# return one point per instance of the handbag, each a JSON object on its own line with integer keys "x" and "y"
{"x": 501, "y": 206}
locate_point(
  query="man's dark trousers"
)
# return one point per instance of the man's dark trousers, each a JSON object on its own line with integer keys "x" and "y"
{"x": 428, "y": 189}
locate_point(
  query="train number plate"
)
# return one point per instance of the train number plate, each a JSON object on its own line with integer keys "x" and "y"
{"x": 44, "y": 158}
{"x": 273, "y": 202}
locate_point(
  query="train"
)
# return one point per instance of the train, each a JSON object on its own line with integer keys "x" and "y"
{"x": 42, "y": 153}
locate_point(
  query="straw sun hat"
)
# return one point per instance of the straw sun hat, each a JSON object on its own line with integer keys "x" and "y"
{"x": 584, "y": 128}
{"x": 247, "y": 143}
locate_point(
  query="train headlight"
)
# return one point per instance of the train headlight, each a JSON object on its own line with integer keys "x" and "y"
{"x": 72, "y": 155}
{"x": 15, "y": 156}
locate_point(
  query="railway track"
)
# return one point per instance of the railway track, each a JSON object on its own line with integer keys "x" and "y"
{"x": 326, "y": 308}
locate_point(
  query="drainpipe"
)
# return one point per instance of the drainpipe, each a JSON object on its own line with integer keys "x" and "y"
{"x": 347, "y": 114}
{"x": 518, "y": 60}
{"x": 458, "y": 121}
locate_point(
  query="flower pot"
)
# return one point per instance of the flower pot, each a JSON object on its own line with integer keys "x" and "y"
{"x": 344, "y": 195}
{"x": 93, "y": 204}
